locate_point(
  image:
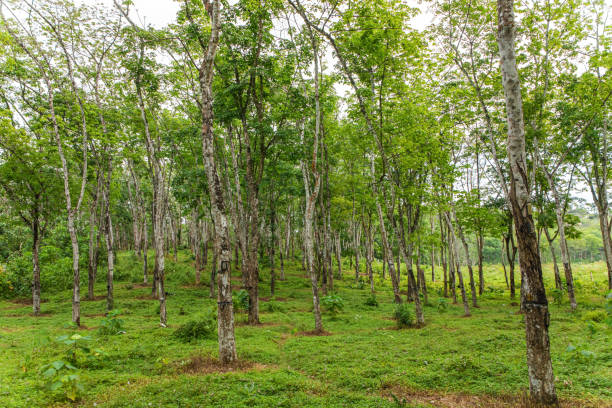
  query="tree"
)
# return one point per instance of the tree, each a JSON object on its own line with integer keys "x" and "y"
{"x": 541, "y": 378}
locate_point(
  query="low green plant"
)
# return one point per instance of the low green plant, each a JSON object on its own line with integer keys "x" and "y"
{"x": 579, "y": 355}
{"x": 77, "y": 345}
{"x": 203, "y": 327}
{"x": 442, "y": 305}
{"x": 272, "y": 307}
{"x": 360, "y": 284}
{"x": 403, "y": 315}
{"x": 333, "y": 304}
{"x": 557, "y": 296}
{"x": 241, "y": 300}
{"x": 111, "y": 325}
{"x": 598, "y": 316}
{"x": 371, "y": 301}
{"x": 62, "y": 375}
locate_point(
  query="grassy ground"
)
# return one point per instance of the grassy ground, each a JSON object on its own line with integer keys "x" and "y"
{"x": 365, "y": 362}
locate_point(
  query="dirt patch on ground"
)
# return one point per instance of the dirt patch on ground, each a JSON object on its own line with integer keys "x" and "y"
{"x": 313, "y": 333}
{"x": 95, "y": 298}
{"x": 145, "y": 297}
{"x": 458, "y": 400}
{"x": 266, "y": 324}
{"x": 29, "y": 314}
{"x": 26, "y": 301}
{"x": 201, "y": 285}
{"x": 198, "y": 364}
{"x": 94, "y": 315}
{"x": 276, "y": 299}
{"x": 141, "y": 285}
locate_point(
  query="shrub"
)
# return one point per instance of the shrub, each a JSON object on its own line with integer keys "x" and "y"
{"x": 241, "y": 300}
{"x": 272, "y": 307}
{"x": 371, "y": 301}
{"x": 598, "y": 316}
{"x": 333, "y": 304}
{"x": 557, "y": 296}
{"x": 442, "y": 305}
{"x": 403, "y": 316}
{"x": 111, "y": 325}
{"x": 60, "y": 374}
{"x": 201, "y": 328}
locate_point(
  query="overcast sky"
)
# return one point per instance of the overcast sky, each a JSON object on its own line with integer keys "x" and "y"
{"x": 161, "y": 12}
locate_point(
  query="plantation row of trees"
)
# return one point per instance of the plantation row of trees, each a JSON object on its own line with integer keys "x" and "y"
{"x": 230, "y": 129}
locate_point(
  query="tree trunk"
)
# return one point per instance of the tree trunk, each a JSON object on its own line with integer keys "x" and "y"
{"x": 272, "y": 246}
{"x": 385, "y": 240}
{"x": 503, "y": 262}
{"x": 225, "y": 311}
{"x": 338, "y": 255}
{"x": 213, "y": 275}
{"x": 558, "y": 282}
{"x": 567, "y": 267}
{"x": 35, "y": 263}
{"x": 537, "y": 319}
{"x": 453, "y": 246}
{"x": 108, "y": 237}
{"x": 145, "y": 249}
{"x": 468, "y": 259}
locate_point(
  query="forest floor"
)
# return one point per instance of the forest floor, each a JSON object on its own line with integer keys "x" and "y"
{"x": 364, "y": 361}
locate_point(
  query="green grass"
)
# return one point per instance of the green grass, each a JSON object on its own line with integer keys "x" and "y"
{"x": 361, "y": 364}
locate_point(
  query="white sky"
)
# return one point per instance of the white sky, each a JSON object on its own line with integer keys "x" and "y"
{"x": 161, "y": 12}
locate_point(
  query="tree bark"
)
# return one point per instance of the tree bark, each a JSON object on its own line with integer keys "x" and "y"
{"x": 550, "y": 240}
{"x": 35, "y": 262}
{"x": 537, "y": 319}
{"x": 225, "y": 311}
{"x": 468, "y": 259}
{"x": 453, "y": 246}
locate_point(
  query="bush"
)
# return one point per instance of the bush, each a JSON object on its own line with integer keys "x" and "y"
{"x": 201, "y": 328}
{"x": 598, "y": 316}
{"x": 241, "y": 300}
{"x": 442, "y": 305}
{"x": 111, "y": 325}
{"x": 333, "y": 304}
{"x": 371, "y": 301}
{"x": 557, "y": 296}
{"x": 272, "y": 307}
{"x": 403, "y": 316}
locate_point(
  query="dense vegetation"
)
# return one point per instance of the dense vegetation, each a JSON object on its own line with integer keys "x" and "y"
{"x": 294, "y": 158}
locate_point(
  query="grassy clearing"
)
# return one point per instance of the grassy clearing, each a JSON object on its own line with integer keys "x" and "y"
{"x": 364, "y": 362}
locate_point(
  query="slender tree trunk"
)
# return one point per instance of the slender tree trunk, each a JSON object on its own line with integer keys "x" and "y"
{"x": 272, "y": 247}
{"x": 385, "y": 240}
{"x": 338, "y": 255}
{"x": 312, "y": 193}
{"x": 503, "y": 262}
{"x": 558, "y": 282}
{"x": 145, "y": 249}
{"x": 480, "y": 243}
{"x": 468, "y": 259}
{"x": 108, "y": 237}
{"x": 35, "y": 263}
{"x": 213, "y": 275}
{"x": 567, "y": 267}
{"x": 225, "y": 311}
{"x": 537, "y": 319}
{"x": 453, "y": 246}
{"x": 443, "y": 258}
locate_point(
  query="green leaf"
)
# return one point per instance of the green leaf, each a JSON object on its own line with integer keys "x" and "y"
{"x": 50, "y": 372}
{"x": 55, "y": 385}
{"x": 58, "y": 364}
